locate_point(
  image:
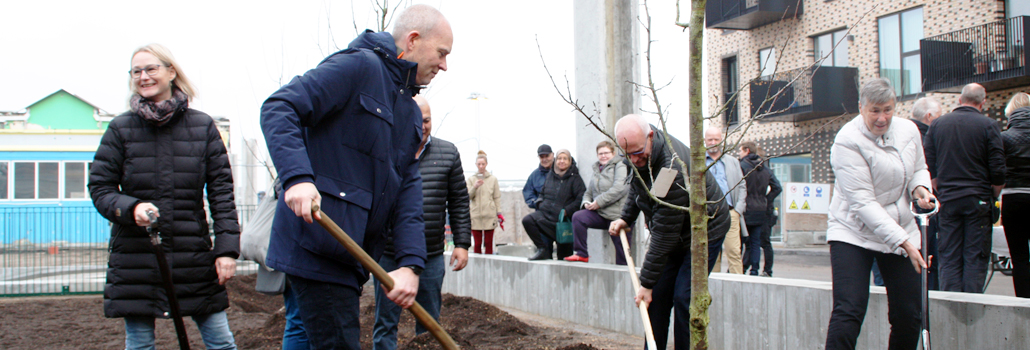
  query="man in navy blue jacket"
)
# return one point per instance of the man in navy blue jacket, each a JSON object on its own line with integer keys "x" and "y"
{"x": 344, "y": 136}
{"x": 535, "y": 183}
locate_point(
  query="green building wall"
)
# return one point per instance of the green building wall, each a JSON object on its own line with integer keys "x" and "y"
{"x": 63, "y": 111}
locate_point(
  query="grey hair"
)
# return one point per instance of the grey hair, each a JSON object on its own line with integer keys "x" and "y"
{"x": 924, "y": 106}
{"x": 876, "y": 91}
{"x": 421, "y": 18}
{"x": 972, "y": 94}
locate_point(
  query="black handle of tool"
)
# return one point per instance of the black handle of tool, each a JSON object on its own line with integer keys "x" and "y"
{"x": 923, "y": 216}
{"x": 166, "y": 279}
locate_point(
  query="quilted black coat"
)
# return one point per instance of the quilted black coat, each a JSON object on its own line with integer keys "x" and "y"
{"x": 169, "y": 166}
{"x": 443, "y": 193}
{"x": 670, "y": 228}
{"x": 1017, "y": 149}
{"x": 561, "y": 192}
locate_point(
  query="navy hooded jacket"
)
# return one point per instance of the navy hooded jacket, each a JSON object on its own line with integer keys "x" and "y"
{"x": 351, "y": 127}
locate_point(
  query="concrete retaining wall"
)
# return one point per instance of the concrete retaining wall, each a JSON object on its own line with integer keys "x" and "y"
{"x": 746, "y": 312}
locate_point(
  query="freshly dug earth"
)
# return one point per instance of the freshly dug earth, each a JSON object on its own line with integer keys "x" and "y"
{"x": 257, "y": 321}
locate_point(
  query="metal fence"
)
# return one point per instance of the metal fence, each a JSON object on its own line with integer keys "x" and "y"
{"x": 60, "y": 250}
{"x": 986, "y": 52}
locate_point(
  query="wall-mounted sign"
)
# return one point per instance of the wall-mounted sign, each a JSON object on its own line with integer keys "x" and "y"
{"x": 806, "y": 198}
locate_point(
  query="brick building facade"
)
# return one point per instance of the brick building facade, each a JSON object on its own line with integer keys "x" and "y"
{"x": 873, "y": 38}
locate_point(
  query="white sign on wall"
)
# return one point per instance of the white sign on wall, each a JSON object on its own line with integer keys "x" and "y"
{"x": 806, "y": 198}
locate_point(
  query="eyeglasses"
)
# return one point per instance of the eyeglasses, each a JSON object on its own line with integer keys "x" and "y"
{"x": 637, "y": 153}
{"x": 150, "y": 70}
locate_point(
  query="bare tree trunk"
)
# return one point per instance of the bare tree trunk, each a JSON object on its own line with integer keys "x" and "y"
{"x": 699, "y": 297}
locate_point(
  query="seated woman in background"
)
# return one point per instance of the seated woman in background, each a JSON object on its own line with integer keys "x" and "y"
{"x": 563, "y": 189}
{"x": 603, "y": 202}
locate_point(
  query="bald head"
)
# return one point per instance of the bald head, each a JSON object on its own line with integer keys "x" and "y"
{"x": 973, "y": 95}
{"x": 427, "y": 120}
{"x": 420, "y": 18}
{"x": 631, "y": 132}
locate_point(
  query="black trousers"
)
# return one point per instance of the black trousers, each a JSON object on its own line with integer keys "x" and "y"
{"x": 671, "y": 296}
{"x": 1014, "y": 208}
{"x": 964, "y": 244}
{"x": 851, "y": 265}
{"x": 542, "y": 231}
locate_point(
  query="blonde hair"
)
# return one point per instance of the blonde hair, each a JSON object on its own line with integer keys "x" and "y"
{"x": 1019, "y": 100}
{"x": 165, "y": 56}
{"x": 481, "y": 155}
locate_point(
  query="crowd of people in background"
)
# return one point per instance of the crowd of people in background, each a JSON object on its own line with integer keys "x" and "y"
{"x": 405, "y": 190}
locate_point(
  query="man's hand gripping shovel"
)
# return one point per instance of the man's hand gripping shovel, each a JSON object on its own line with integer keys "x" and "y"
{"x": 166, "y": 278}
{"x": 923, "y": 220}
{"x": 380, "y": 274}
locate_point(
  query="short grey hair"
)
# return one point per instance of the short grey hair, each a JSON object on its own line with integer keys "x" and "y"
{"x": 876, "y": 91}
{"x": 924, "y": 106}
{"x": 972, "y": 94}
{"x": 421, "y": 18}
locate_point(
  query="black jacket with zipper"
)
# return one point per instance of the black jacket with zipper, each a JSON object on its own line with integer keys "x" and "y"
{"x": 1017, "y": 149}
{"x": 443, "y": 194}
{"x": 169, "y": 166}
{"x": 670, "y": 227}
{"x": 762, "y": 188}
{"x": 561, "y": 192}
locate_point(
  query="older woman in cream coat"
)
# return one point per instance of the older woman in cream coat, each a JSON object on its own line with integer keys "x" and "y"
{"x": 879, "y": 168}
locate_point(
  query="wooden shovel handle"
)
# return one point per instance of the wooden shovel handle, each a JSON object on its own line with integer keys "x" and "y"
{"x": 648, "y": 332}
{"x": 380, "y": 274}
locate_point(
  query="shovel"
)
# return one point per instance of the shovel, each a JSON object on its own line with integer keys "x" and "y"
{"x": 358, "y": 253}
{"x": 166, "y": 277}
{"x": 648, "y": 332}
{"x": 923, "y": 219}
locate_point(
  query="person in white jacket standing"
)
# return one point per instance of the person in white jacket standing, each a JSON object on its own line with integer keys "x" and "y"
{"x": 879, "y": 168}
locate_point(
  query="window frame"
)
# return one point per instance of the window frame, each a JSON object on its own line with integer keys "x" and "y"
{"x": 762, "y": 63}
{"x": 835, "y": 36}
{"x": 902, "y": 82}
{"x": 731, "y": 87}
{"x": 11, "y": 187}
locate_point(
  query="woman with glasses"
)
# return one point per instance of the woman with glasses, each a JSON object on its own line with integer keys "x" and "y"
{"x": 879, "y": 170}
{"x": 158, "y": 158}
{"x": 603, "y": 202}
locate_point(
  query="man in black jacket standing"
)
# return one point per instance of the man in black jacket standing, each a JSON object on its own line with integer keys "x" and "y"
{"x": 966, "y": 160}
{"x": 665, "y": 275}
{"x": 443, "y": 194}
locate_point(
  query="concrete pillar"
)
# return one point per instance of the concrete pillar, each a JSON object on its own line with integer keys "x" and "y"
{"x": 607, "y": 58}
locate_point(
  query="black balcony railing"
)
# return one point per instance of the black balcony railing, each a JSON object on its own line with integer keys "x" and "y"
{"x": 748, "y": 14}
{"x": 818, "y": 92}
{"x": 993, "y": 55}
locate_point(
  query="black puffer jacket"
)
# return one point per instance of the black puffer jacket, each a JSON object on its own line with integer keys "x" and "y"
{"x": 670, "y": 228}
{"x": 561, "y": 192}
{"x": 762, "y": 188}
{"x": 169, "y": 166}
{"x": 443, "y": 194}
{"x": 1017, "y": 149}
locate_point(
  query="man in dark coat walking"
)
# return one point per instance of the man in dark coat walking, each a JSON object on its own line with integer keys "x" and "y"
{"x": 344, "y": 136}
{"x": 665, "y": 275}
{"x": 966, "y": 159}
{"x": 444, "y": 195}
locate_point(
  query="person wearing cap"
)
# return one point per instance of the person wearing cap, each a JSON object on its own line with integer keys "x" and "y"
{"x": 535, "y": 183}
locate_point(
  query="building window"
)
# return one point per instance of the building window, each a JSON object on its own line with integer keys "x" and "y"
{"x": 24, "y": 180}
{"x": 767, "y": 60}
{"x": 824, "y": 48}
{"x": 3, "y": 180}
{"x": 899, "y": 50}
{"x": 74, "y": 180}
{"x": 730, "y": 82}
{"x": 43, "y": 180}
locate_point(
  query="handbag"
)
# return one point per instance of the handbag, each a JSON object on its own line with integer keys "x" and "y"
{"x": 563, "y": 229}
{"x": 254, "y": 244}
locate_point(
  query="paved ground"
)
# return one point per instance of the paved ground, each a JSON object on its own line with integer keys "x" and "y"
{"x": 813, "y": 263}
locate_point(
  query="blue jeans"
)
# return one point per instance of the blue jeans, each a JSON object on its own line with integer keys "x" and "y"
{"x": 330, "y": 313}
{"x": 672, "y": 292}
{"x": 214, "y": 329}
{"x": 388, "y": 314}
{"x": 294, "y": 337}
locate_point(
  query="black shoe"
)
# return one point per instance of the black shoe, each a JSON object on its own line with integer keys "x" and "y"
{"x": 541, "y": 254}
